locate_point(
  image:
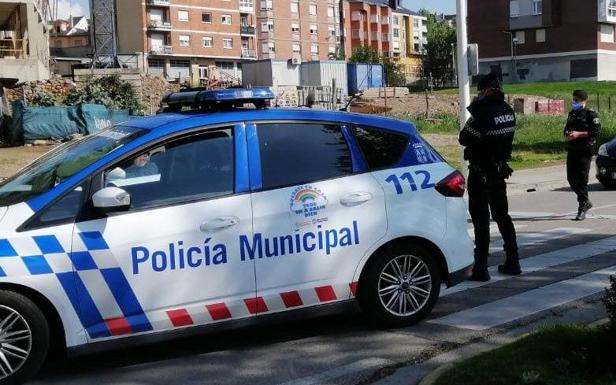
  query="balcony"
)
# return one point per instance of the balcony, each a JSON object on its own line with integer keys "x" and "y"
{"x": 159, "y": 26}
{"x": 163, "y": 50}
{"x": 249, "y": 54}
{"x": 158, "y": 3}
{"x": 248, "y": 30}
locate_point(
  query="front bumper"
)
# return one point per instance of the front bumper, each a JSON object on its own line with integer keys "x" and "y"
{"x": 606, "y": 169}
{"x": 459, "y": 276}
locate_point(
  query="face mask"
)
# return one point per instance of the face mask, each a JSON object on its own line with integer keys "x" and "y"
{"x": 576, "y": 106}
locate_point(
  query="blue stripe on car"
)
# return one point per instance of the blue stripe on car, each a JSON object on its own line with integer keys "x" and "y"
{"x": 126, "y": 299}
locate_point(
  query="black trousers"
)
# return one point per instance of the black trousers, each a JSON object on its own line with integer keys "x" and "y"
{"x": 487, "y": 192}
{"x": 578, "y": 168}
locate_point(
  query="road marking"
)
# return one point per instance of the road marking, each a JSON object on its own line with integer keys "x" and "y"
{"x": 529, "y": 239}
{"x": 531, "y": 214}
{"x": 543, "y": 261}
{"x": 528, "y": 303}
{"x": 341, "y": 371}
{"x": 493, "y": 229}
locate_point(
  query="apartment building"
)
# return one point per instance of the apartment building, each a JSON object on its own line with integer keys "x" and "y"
{"x": 368, "y": 23}
{"x": 24, "y": 40}
{"x": 545, "y": 40}
{"x": 298, "y": 30}
{"x": 202, "y": 41}
{"x": 420, "y": 33}
{"x": 74, "y": 32}
{"x": 406, "y": 44}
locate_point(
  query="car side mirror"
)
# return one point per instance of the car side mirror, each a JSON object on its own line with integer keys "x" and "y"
{"x": 111, "y": 199}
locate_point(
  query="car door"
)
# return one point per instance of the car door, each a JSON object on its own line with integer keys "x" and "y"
{"x": 315, "y": 215}
{"x": 170, "y": 260}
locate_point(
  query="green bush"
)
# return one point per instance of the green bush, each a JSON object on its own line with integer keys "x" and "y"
{"x": 609, "y": 300}
{"x": 109, "y": 91}
{"x": 43, "y": 99}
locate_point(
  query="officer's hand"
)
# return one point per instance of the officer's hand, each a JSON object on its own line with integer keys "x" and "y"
{"x": 504, "y": 170}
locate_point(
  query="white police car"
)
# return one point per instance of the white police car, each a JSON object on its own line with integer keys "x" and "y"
{"x": 164, "y": 224}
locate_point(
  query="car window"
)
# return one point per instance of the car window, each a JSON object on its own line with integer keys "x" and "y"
{"x": 295, "y": 153}
{"x": 64, "y": 162}
{"x": 187, "y": 169}
{"x": 380, "y": 148}
{"x": 64, "y": 210}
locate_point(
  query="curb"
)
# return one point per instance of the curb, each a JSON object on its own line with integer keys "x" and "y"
{"x": 433, "y": 376}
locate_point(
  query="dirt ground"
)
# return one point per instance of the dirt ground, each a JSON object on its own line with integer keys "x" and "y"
{"x": 12, "y": 159}
{"x": 415, "y": 104}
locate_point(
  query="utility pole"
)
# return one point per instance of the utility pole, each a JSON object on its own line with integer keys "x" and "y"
{"x": 464, "y": 83}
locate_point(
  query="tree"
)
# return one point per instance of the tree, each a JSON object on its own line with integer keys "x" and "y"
{"x": 441, "y": 36}
{"x": 369, "y": 55}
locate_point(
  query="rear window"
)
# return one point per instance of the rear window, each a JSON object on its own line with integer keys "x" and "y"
{"x": 380, "y": 148}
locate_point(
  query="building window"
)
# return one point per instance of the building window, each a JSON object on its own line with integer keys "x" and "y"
{"x": 514, "y": 8}
{"x": 312, "y": 9}
{"x": 313, "y": 29}
{"x": 607, "y": 33}
{"x": 537, "y": 7}
{"x": 225, "y": 19}
{"x": 156, "y": 63}
{"x": 520, "y": 37}
{"x": 225, "y": 65}
{"x": 208, "y": 42}
{"x": 395, "y": 20}
{"x": 227, "y": 43}
{"x": 182, "y": 15}
{"x": 332, "y": 49}
{"x": 268, "y": 47}
{"x": 332, "y": 31}
{"x": 314, "y": 48}
{"x": 611, "y": 8}
{"x": 297, "y": 48}
{"x": 206, "y": 18}
{"x": 267, "y": 26}
{"x": 267, "y": 5}
{"x": 184, "y": 41}
{"x": 246, "y": 4}
{"x": 295, "y": 28}
{"x": 330, "y": 11}
{"x": 294, "y": 7}
{"x": 540, "y": 36}
{"x": 396, "y": 33}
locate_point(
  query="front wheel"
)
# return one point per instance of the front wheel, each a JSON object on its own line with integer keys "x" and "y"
{"x": 401, "y": 286}
{"x": 24, "y": 338}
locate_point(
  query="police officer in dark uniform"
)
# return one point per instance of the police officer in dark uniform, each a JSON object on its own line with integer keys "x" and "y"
{"x": 582, "y": 130}
{"x": 488, "y": 141}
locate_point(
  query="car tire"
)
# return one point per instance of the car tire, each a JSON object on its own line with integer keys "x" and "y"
{"x": 383, "y": 284}
{"x": 24, "y": 338}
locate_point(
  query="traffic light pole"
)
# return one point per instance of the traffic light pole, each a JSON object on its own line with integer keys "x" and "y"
{"x": 464, "y": 82}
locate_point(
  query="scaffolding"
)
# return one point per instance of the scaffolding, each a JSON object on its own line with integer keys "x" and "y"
{"x": 104, "y": 34}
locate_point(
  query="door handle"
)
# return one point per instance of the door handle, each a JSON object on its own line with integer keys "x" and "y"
{"x": 356, "y": 199}
{"x": 220, "y": 223}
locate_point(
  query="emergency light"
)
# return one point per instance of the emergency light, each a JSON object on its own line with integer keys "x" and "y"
{"x": 218, "y": 99}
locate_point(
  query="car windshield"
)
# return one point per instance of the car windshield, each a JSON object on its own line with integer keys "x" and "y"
{"x": 62, "y": 163}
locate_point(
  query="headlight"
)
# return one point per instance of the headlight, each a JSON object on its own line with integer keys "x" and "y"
{"x": 603, "y": 150}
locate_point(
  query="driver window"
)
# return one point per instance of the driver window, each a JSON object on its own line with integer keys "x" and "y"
{"x": 186, "y": 169}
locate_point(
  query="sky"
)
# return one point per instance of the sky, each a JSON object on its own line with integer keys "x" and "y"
{"x": 80, "y": 7}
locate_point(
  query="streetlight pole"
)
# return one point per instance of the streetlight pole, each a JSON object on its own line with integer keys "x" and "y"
{"x": 513, "y": 40}
{"x": 464, "y": 84}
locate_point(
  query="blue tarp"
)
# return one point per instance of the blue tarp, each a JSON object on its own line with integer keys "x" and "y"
{"x": 57, "y": 123}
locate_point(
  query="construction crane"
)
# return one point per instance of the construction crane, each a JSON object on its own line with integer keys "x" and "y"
{"x": 104, "y": 33}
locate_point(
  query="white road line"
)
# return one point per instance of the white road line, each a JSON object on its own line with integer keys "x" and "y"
{"x": 341, "y": 371}
{"x": 528, "y": 303}
{"x": 544, "y": 261}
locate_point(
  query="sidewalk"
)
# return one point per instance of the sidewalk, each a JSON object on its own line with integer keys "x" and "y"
{"x": 542, "y": 179}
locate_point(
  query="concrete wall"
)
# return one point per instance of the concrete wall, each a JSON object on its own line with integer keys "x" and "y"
{"x": 26, "y": 70}
{"x": 130, "y": 21}
{"x": 550, "y": 69}
{"x": 607, "y": 67}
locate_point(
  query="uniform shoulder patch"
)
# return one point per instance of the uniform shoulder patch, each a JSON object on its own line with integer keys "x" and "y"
{"x": 596, "y": 121}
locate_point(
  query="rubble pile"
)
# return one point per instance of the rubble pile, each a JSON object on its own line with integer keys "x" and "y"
{"x": 153, "y": 88}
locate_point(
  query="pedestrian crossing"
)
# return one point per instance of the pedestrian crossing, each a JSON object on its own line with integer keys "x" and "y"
{"x": 536, "y": 299}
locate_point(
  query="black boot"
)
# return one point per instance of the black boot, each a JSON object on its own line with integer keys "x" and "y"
{"x": 480, "y": 270}
{"x": 584, "y": 207}
{"x": 510, "y": 268}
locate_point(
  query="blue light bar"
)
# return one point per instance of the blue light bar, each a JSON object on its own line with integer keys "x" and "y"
{"x": 236, "y": 97}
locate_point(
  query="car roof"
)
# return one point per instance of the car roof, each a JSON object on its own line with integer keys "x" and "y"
{"x": 169, "y": 123}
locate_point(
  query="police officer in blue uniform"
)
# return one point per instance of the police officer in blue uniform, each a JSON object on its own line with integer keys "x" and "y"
{"x": 581, "y": 132}
{"x": 488, "y": 141}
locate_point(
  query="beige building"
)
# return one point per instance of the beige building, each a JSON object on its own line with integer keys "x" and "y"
{"x": 24, "y": 40}
{"x": 204, "y": 41}
{"x": 298, "y": 30}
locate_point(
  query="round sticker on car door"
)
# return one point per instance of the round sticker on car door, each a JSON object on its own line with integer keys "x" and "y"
{"x": 308, "y": 206}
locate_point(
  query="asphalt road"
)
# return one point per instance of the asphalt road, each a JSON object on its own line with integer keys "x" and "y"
{"x": 566, "y": 267}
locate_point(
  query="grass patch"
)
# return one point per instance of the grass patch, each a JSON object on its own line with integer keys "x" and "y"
{"x": 562, "y": 355}
{"x": 538, "y": 141}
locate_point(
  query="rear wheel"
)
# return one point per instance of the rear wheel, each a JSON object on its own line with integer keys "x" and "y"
{"x": 401, "y": 286}
{"x": 24, "y": 338}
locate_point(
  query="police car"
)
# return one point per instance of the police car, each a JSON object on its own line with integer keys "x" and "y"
{"x": 606, "y": 164}
{"x": 219, "y": 215}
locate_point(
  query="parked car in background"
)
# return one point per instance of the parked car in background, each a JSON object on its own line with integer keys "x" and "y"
{"x": 606, "y": 164}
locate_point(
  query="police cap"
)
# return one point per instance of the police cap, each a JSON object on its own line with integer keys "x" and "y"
{"x": 580, "y": 94}
{"x": 488, "y": 81}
